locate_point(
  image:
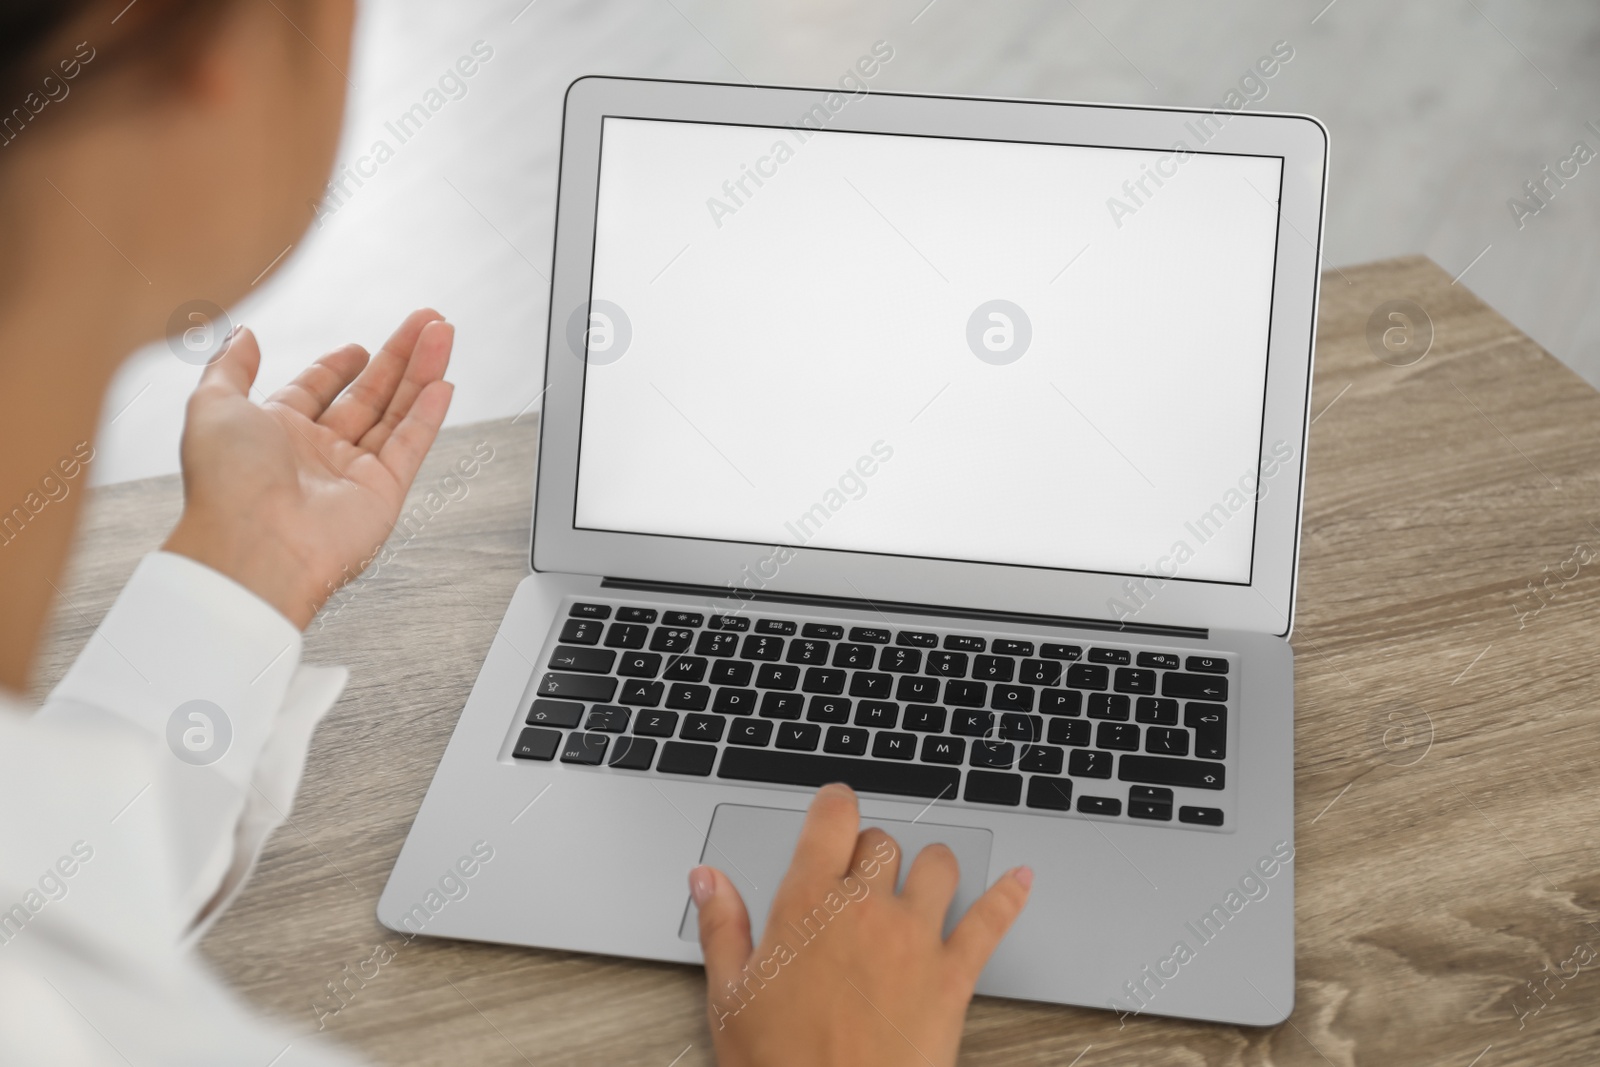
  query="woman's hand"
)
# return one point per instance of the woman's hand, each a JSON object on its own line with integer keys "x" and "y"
{"x": 848, "y": 972}
{"x": 293, "y": 497}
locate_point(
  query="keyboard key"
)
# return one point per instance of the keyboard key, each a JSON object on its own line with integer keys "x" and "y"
{"x": 1157, "y": 711}
{"x": 711, "y": 643}
{"x": 680, "y": 757}
{"x": 1014, "y": 727}
{"x": 919, "y": 689}
{"x": 1066, "y": 652}
{"x": 781, "y": 627}
{"x": 731, "y": 672}
{"x": 667, "y": 639}
{"x": 1100, "y": 805}
{"x": 656, "y": 723}
{"x": 874, "y": 634}
{"x": 1135, "y": 680}
{"x": 823, "y": 631}
{"x": 1040, "y": 672}
{"x": 736, "y": 623}
{"x": 1147, "y": 802}
{"x": 1161, "y": 770}
{"x": 683, "y": 618}
{"x": 577, "y": 687}
{"x": 1194, "y": 686}
{"x": 688, "y": 697}
{"x": 1061, "y": 702}
{"x": 777, "y": 676}
{"x": 755, "y": 732}
{"x": 639, "y": 665}
{"x": 846, "y": 654}
{"x": 1164, "y": 660}
{"x": 809, "y": 653}
{"x": 636, "y": 614}
{"x": 1206, "y": 664}
{"x": 959, "y": 643}
{"x": 581, "y": 632}
{"x": 924, "y": 718}
{"x": 987, "y": 787}
{"x": 800, "y": 736}
{"x": 993, "y": 754}
{"x": 583, "y": 660}
{"x": 1122, "y": 736}
{"x": 973, "y": 723}
{"x": 1108, "y": 706}
{"x": 632, "y": 754}
{"x": 868, "y": 684}
{"x": 1011, "y": 648}
{"x": 782, "y": 705}
{"x": 702, "y": 728}
{"x": 823, "y": 680}
{"x": 994, "y": 668}
{"x": 626, "y": 635}
{"x": 555, "y": 713}
{"x": 1041, "y": 759}
{"x": 866, "y": 776}
{"x": 878, "y": 713}
{"x": 943, "y": 750}
{"x": 919, "y": 640}
{"x": 1012, "y": 698}
{"x": 1089, "y": 763}
{"x": 1073, "y": 732}
{"x": 900, "y": 660}
{"x": 1164, "y": 741}
{"x": 586, "y": 749}
{"x": 948, "y": 664}
{"x": 1086, "y": 676}
{"x": 607, "y": 718}
{"x": 642, "y": 694}
{"x": 894, "y": 746}
{"x": 761, "y": 646}
{"x": 846, "y": 741}
{"x": 1052, "y": 794}
{"x": 537, "y": 744}
{"x": 965, "y": 694}
{"x": 686, "y": 669}
{"x": 1210, "y": 725}
{"x": 1200, "y": 816}
{"x": 590, "y": 611}
{"x": 732, "y": 701}
{"x": 828, "y": 709}
{"x": 1118, "y": 656}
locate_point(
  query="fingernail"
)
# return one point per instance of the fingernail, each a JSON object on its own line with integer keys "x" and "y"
{"x": 702, "y": 884}
{"x": 1024, "y": 876}
{"x": 838, "y": 787}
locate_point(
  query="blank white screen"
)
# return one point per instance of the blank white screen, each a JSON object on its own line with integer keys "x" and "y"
{"x": 773, "y": 344}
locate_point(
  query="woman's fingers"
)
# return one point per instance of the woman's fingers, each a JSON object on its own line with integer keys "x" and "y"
{"x": 724, "y": 926}
{"x": 404, "y": 450}
{"x": 427, "y": 365}
{"x": 932, "y": 882}
{"x": 234, "y": 371}
{"x": 360, "y": 408}
{"x": 828, "y": 838}
{"x": 878, "y": 853}
{"x": 314, "y": 388}
{"x": 978, "y": 933}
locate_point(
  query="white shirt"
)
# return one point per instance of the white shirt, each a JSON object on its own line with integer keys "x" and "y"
{"x": 130, "y": 817}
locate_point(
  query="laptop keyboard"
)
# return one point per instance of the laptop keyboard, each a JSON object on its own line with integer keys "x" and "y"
{"x": 1104, "y": 730}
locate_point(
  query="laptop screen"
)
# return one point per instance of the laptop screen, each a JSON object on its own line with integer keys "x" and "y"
{"x": 1034, "y": 354}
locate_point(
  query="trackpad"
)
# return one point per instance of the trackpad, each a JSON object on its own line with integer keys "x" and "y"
{"x": 753, "y": 846}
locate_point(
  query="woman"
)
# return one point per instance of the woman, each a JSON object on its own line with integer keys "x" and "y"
{"x": 158, "y": 152}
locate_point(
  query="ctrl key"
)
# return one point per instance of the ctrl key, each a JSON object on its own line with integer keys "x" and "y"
{"x": 534, "y": 743}
{"x": 587, "y": 749}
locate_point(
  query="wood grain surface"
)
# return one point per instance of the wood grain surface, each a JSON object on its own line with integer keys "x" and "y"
{"x": 1447, "y": 783}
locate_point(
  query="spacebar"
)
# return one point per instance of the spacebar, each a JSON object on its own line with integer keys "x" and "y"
{"x": 867, "y": 776}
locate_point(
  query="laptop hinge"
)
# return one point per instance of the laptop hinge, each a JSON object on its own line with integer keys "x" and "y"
{"x": 728, "y": 593}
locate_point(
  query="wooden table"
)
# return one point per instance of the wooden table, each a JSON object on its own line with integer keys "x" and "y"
{"x": 1447, "y": 787}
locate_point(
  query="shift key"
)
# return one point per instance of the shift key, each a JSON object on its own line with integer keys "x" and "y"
{"x": 577, "y": 687}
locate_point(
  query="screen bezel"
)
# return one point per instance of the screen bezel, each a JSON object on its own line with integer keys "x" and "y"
{"x": 1265, "y": 604}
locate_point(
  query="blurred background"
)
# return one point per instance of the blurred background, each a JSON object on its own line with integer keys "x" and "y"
{"x": 1439, "y": 113}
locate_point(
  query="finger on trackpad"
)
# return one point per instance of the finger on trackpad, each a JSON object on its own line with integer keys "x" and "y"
{"x": 753, "y": 846}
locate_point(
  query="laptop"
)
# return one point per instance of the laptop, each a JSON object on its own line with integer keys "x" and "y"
{"x": 951, "y": 448}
